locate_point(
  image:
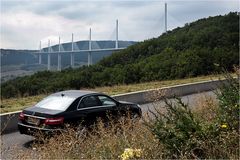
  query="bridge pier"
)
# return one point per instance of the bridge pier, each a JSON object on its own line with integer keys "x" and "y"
{"x": 72, "y": 55}
{"x": 59, "y": 61}
{"x": 89, "y": 58}
{"x": 49, "y": 62}
{"x": 59, "y": 55}
{"x": 90, "y": 48}
{"x": 72, "y": 60}
{"x": 49, "y": 56}
{"x": 39, "y": 58}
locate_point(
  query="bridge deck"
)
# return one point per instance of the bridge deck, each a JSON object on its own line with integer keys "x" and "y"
{"x": 77, "y": 51}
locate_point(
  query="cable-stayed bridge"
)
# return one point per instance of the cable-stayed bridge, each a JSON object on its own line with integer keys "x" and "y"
{"x": 74, "y": 49}
{"x": 59, "y": 49}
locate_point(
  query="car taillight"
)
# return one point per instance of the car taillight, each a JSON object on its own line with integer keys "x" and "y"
{"x": 54, "y": 121}
{"x": 21, "y": 116}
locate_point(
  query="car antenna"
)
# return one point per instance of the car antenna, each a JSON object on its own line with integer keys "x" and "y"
{"x": 62, "y": 95}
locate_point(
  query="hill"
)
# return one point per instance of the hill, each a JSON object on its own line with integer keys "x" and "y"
{"x": 198, "y": 48}
{"x": 16, "y": 57}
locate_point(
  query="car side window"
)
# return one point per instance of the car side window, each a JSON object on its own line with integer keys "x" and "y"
{"x": 106, "y": 100}
{"x": 89, "y": 101}
{"x": 74, "y": 105}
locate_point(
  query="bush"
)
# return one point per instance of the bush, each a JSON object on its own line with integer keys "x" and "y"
{"x": 229, "y": 107}
{"x": 184, "y": 135}
{"x": 177, "y": 129}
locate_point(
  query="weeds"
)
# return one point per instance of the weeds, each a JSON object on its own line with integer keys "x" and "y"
{"x": 177, "y": 129}
{"x": 229, "y": 102}
{"x": 101, "y": 143}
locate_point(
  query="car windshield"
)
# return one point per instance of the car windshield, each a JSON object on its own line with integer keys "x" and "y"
{"x": 56, "y": 102}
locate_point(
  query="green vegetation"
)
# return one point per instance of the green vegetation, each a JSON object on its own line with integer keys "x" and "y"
{"x": 19, "y": 103}
{"x": 172, "y": 131}
{"x": 229, "y": 109}
{"x": 184, "y": 135}
{"x": 198, "y": 48}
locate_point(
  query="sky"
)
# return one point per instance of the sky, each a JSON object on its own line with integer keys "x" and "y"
{"x": 24, "y": 23}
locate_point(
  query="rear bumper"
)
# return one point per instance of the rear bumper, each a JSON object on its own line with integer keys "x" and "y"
{"x": 33, "y": 130}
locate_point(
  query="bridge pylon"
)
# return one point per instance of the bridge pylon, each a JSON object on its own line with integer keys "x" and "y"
{"x": 40, "y": 55}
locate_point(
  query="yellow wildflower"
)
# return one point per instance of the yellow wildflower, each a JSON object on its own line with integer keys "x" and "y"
{"x": 223, "y": 126}
{"x": 131, "y": 153}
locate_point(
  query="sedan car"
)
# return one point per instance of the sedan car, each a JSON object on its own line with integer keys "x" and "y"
{"x": 72, "y": 107}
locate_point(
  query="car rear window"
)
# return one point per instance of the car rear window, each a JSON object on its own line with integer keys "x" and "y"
{"x": 56, "y": 102}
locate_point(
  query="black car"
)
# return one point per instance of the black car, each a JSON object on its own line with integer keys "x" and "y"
{"x": 72, "y": 107}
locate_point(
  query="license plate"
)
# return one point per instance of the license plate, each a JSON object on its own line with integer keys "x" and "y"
{"x": 33, "y": 120}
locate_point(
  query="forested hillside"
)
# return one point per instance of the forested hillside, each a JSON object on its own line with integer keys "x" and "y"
{"x": 198, "y": 48}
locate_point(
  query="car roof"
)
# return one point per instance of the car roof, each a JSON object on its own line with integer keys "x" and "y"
{"x": 74, "y": 93}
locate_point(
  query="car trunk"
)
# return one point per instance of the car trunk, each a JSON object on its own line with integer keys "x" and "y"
{"x": 35, "y": 116}
{"x": 41, "y": 112}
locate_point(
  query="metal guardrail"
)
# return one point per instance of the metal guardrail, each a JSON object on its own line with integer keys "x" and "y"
{"x": 9, "y": 120}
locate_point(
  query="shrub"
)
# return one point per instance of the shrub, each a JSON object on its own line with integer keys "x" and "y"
{"x": 177, "y": 129}
{"x": 184, "y": 135}
{"x": 229, "y": 107}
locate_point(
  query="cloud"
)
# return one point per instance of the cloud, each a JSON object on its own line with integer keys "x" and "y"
{"x": 24, "y": 23}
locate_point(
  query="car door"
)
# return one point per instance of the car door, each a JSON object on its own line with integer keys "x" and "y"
{"x": 97, "y": 106}
{"x": 90, "y": 106}
{"x": 108, "y": 105}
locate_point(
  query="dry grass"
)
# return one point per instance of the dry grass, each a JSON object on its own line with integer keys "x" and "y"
{"x": 206, "y": 107}
{"x": 118, "y": 89}
{"x": 101, "y": 143}
{"x": 14, "y": 104}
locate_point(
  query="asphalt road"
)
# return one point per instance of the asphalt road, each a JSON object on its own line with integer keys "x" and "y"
{"x": 14, "y": 142}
